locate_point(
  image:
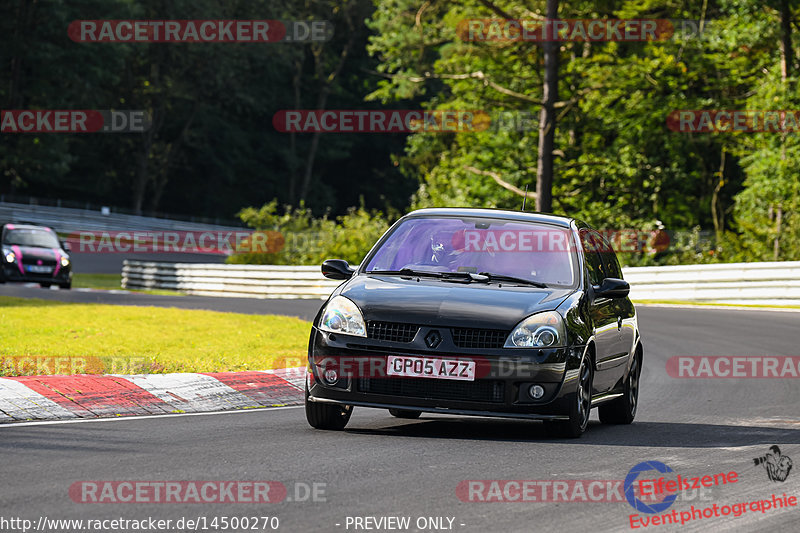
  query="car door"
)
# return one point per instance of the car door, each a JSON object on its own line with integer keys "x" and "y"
{"x": 612, "y": 368}
{"x": 626, "y": 314}
{"x": 602, "y": 311}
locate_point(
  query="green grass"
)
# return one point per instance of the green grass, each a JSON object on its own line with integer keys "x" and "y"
{"x": 681, "y": 302}
{"x": 96, "y": 281}
{"x": 43, "y": 337}
{"x": 112, "y": 281}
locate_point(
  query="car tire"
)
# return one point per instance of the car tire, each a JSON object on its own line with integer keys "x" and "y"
{"x": 580, "y": 405}
{"x": 327, "y": 416}
{"x": 45, "y": 285}
{"x": 404, "y": 413}
{"x": 66, "y": 286}
{"x": 623, "y": 410}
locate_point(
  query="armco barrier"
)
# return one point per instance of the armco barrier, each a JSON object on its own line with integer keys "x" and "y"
{"x": 70, "y": 220}
{"x": 248, "y": 281}
{"x": 737, "y": 283}
{"x": 776, "y": 283}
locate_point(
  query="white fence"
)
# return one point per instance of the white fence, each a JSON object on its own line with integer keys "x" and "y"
{"x": 738, "y": 283}
{"x": 249, "y": 281}
{"x": 776, "y": 283}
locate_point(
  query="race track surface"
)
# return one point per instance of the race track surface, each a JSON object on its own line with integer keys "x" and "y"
{"x": 381, "y": 466}
{"x": 97, "y": 263}
{"x": 305, "y": 309}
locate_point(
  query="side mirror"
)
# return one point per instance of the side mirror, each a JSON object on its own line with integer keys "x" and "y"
{"x": 612, "y": 288}
{"x": 337, "y": 269}
{"x": 65, "y": 245}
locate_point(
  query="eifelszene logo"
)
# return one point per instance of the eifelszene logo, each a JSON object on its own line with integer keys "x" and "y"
{"x": 777, "y": 466}
{"x": 630, "y": 486}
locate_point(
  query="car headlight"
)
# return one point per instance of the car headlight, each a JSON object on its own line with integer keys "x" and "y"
{"x": 11, "y": 257}
{"x": 343, "y": 316}
{"x": 542, "y": 330}
{"x": 64, "y": 261}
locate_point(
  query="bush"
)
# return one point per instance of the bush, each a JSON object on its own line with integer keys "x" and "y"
{"x": 309, "y": 240}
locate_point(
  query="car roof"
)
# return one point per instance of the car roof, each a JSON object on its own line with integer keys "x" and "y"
{"x": 505, "y": 214}
{"x": 26, "y": 226}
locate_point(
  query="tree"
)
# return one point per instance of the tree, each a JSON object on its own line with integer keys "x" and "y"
{"x": 547, "y": 120}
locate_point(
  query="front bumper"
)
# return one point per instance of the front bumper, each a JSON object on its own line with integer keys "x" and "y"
{"x": 11, "y": 272}
{"x": 503, "y": 377}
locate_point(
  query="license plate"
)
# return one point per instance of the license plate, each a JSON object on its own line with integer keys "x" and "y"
{"x": 423, "y": 367}
{"x": 38, "y": 269}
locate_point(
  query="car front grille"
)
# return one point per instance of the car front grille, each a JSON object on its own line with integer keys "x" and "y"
{"x": 484, "y": 390}
{"x": 39, "y": 262}
{"x": 479, "y": 338}
{"x": 391, "y": 331}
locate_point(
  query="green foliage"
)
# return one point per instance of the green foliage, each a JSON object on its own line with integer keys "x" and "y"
{"x": 212, "y": 148}
{"x": 619, "y": 166}
{"x": 309, "y": 240}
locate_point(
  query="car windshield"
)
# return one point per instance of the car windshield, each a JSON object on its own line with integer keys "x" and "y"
{"x": 500, "y": 248}
{"x": 31, "y": 237}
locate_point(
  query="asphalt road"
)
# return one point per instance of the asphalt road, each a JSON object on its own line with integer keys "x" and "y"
{"x": 382, "y": 466}
{"x": 305, "y": 309}
{"x": 97, "y": 263}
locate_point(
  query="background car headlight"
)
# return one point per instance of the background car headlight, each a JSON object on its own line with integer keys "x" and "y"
{"x": 64, "y": 261}
{"x": 342, "y": 316}
{"x": 11, "y": 257}
{"x": 542, "y": 330}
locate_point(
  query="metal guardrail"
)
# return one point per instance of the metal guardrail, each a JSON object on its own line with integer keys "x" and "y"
{"x": 773, "y": 283}
{"x": 68, "y": 220}
{"x": 737, "y": 283}
{"x": 247, "y": 281}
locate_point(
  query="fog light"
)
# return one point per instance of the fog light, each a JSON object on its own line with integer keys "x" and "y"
{"x": 536, "y": 391}
{"x": 330, "y": 376}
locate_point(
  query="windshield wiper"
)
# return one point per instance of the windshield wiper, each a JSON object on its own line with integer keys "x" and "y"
{"x": 465, "y": 276}
{"x": 407, "y": 272}
{"x": 513, "y": 279}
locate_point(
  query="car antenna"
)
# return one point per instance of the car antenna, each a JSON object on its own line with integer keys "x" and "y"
{"x": 524, "y": 197}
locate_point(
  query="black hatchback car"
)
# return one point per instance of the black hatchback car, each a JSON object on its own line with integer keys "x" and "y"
{"x": 34, "y": 254}
{"x": 478, "y": 312}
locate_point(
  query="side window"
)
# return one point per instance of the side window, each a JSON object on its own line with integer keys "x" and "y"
{"x": 610, "y": 263}
{"x": 594, "y": 265}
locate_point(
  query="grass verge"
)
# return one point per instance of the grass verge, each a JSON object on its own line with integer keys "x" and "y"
{"x": 96, "y": 281}
{"x": 713, "y": 304}
{"x": 112, "y": 282}
{"x": 46, "y": 337}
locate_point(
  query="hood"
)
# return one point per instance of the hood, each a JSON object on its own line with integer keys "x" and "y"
{"x": 444, "y": 303}
{"x": 35, "y": 255}
{"x": 36, "y": 252}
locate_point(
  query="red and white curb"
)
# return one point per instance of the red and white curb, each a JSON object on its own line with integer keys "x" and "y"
{"x": 94, "y": 396}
